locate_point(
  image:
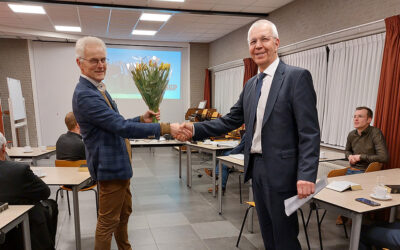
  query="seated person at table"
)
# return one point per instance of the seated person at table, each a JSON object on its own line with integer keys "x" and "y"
{"x": 70, "y": 146}
{"x": 20, "y": 186}
{"x": 225, "y": 170}
{"x": 365, "y": 144}
{"x": 386, "y": 235}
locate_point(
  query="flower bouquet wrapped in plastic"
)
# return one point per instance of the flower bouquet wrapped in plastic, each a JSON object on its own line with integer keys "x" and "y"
{"x": 151, "y": 79}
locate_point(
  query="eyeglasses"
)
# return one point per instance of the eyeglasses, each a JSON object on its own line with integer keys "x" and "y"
{"x": 264, "y": 39}
{"x": 95, "y": 61}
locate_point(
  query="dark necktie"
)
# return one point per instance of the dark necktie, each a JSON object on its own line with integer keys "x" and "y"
{"x": 253, "y": 109}
{"x": 258, "y": 87}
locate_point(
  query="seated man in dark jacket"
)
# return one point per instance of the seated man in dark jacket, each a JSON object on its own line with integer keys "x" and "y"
{"x": 20, "y": 186}
{"x": 70, "y": 146}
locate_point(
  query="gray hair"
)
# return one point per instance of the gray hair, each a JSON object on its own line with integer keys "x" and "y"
{"x": 84, "y": 41}
{"x": 3, "y": 140}
{"x": 263, "y": 22}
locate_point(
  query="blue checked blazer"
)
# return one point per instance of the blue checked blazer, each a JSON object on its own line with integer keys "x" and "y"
{"x": 103, "y": 130}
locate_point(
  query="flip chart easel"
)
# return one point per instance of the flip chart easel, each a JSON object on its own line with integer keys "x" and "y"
{"x": 16, "y": 106}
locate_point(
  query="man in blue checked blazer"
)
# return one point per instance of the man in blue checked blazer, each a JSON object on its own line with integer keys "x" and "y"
{"x": 107, "y": 152}
{"x": 278, "y": 107}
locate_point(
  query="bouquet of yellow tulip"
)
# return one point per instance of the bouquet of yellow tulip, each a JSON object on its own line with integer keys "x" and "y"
{"x": 151, "y": 79}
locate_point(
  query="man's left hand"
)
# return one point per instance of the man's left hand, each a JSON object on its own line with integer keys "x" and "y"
{"x": 305, "y": 188}
{"x": 148, "y": 116}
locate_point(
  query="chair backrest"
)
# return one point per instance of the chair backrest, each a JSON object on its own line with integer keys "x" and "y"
{"x": 65, "y": 163}
{"x": 374, "y": 166}
{"x": 337, "y": 172}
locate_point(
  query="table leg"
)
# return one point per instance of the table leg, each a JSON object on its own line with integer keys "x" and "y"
{"x": 392, "y": 216}
{"x": 180, "y": 162}
{"x": 76, "y": 217}
{"x": 34, "y": 161}
{"x": 26, "y": 232}
{"x": 220, "y": 186}
{"x": 214, "y": 163}
{"x": 251, "y": 215}
{"x": 355, "y": 231}
{"x": 189, "y": 166}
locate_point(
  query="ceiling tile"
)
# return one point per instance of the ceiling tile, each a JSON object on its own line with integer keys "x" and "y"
{"x": 229, "y": 7}
{"x": 63, "y": 15}
{"x": 149, "y": 25}
{"x": 271, "y": 3}
{"x": 197, "y": 6}
{"x": 130, "y": 2}
{"x": 122, "y": 22}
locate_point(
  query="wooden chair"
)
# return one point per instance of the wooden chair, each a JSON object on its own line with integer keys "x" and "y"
{"x": 252, "y": 204}
{"x": 337, "y": 172}
{"x": 374, "y": 166}
{"x": 64, "y": 163}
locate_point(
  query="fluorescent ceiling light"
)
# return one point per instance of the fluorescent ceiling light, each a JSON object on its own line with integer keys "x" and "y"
{"x": 68, "y": 28}
{"x": 154, "y": 17}
{"x": 32, "y": 9}
{"x": 144, "y": 32}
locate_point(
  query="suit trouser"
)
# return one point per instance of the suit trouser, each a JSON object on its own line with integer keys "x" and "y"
{"x": 115, "y": 207}
{"x": 278, "y": 230}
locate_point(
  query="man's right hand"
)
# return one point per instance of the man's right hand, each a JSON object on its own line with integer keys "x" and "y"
{"x": 182, "y": 132}
{"x": 353, "y": 159}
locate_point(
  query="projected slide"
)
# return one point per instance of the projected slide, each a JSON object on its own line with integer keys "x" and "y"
{"x": 119, "y": 80}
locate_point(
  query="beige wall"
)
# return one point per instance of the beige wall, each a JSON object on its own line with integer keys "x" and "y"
{"x": 303, "y": 19}
{"x": 14, "y": 63}
{"x": 198, "y": 63}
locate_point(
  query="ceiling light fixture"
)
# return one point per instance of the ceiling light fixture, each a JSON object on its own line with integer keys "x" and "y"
{"x": 68, "y": 28}
{"x": 154, "y": 17}
{"x": 31, "y": 9}
{"x": 144, "y": 32}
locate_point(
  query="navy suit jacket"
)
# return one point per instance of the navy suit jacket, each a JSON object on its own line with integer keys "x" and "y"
{"x": 103, "y": 130}
{"x": 290, "y": 131}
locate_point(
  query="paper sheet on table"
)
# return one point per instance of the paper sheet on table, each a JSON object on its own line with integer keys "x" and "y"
{"x": 237, "y": 156}
{"x": 294, "y": 203}
{"x": 227, "y": 143}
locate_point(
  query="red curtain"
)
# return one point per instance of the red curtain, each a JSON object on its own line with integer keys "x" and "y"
{"x": 387, "y": 114}
{"x": 207, "y": 88}
{"x": 1, "y": 121}
{"x": 250, "y": 69}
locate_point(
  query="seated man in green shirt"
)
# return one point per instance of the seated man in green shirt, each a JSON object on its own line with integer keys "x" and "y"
{"x": 365, "y": 144}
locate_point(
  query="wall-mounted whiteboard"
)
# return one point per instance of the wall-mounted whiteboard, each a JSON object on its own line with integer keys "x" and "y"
{"x": 17, "y": 101}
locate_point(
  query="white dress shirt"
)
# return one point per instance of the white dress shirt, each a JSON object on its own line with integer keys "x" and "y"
{"x": 99, "y": 85}
{"x": 262, "y": 102}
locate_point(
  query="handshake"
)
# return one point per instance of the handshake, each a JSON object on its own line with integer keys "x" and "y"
{"x": 183, "y": 131}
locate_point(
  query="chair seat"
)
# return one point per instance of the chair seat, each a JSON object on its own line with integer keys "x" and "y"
{"x": 251, "y": 203}
{"x": 82, "y": 189}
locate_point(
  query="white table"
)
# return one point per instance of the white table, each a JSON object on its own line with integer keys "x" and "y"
{"x": 344, "y": 202}
{"x": 149, "y": 143}
{"x": 331, "y": 155}
{"x": 35, "y": 155}
{"x": 14, "y": 215}
{"x": 211, "y": 149}
{"x": 76, "y": 179}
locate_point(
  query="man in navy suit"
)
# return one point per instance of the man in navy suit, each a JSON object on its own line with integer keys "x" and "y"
{"x": 107, "y": 151}
{"x": 278, "y": 107}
